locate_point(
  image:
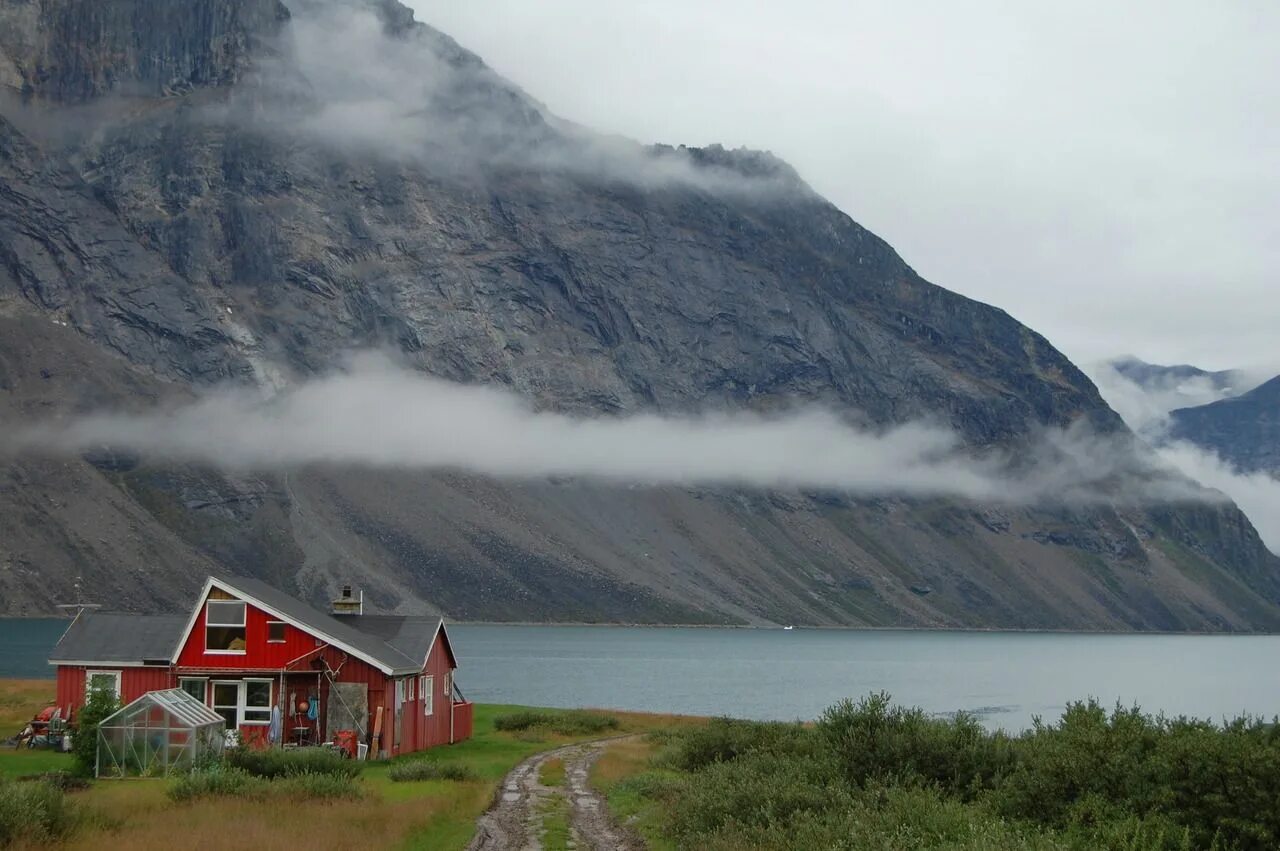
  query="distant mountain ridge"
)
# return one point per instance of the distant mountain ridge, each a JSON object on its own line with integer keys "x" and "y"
{"x": 1244, "y": 430}
{"x": 246, "y": 190}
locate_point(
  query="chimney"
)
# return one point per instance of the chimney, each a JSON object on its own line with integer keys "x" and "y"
{"x": 347, "y": 603}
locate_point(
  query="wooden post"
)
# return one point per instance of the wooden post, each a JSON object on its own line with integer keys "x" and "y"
{"x": 376, "y": 744}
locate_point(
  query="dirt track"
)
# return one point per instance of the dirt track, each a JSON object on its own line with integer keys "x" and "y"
{"x": 514, "y": 822}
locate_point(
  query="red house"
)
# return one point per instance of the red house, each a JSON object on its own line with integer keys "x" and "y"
{"x": 250, "y": 652}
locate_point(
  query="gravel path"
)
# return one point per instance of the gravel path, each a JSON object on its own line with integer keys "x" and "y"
{"x": 514, "y": 822}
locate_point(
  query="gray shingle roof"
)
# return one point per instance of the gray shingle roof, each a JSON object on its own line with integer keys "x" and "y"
{"x": 410, "y": 635}
{"x": 119, "y": 637}
{"x": 397, "y": 642}
{"x": 343, "y": 629}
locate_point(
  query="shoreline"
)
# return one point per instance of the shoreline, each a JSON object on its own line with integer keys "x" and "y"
{"x": 997, "y": 630}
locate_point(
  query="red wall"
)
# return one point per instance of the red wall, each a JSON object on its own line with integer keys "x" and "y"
{"x": 258, "y": 655}
{"x": 134, "y": 682}
{"x": 425, "y": 731}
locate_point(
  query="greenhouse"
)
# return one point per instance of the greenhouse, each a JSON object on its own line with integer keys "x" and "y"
{"x": 158, "y": 733}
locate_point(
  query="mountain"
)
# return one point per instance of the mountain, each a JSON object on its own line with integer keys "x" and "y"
{"x": 1244, "y": 430}
{"x": 245, "y": 191}
{"x": 1190, "y": 380}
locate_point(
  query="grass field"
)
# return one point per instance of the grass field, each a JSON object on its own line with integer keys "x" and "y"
{"x": 432, "y": 814}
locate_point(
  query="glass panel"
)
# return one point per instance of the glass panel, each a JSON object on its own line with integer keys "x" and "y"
{"x": 275, "y": 631}
{"x": 105, "y": 682}
{"x": 257, "y": 701}
{"x": 224, "y": 613}
{"x": 224, "y": 638}
{"x": 226, "y": 702}
{"x": 195, "y": 688}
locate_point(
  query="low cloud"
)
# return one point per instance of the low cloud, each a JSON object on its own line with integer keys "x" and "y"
{"x": 1146, "y": 409}
{"x": 374, "y": 413}
{"x": 345, "y": 81}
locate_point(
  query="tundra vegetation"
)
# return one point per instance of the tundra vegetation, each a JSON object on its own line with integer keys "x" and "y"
{"x": 273, "y": 799}
{"x": 872, "y": 775}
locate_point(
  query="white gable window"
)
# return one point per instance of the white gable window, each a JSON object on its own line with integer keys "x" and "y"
{"x": 108, "y": 681}
{"x": 426, "y": 694}
{"x": 224, "y": 626}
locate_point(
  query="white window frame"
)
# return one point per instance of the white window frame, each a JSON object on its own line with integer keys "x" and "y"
{"x": 402, "y": 690}
{"x": 271, "y": 640}
{"x": 241, "y": 705}
{"x": 204, "y": 681}
{"x": 88, "y": 682}
{"x": 426, "y": 694}
{"x": 244, "y": 624}
{"x": 448, "y": 683}
{"x": 244, "y": 697}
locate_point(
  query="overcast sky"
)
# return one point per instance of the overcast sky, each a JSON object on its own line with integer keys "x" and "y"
{"x": 1108, "y": 173}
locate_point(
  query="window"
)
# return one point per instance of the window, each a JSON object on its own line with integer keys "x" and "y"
{"x": 257, "y": 702}
{"x": 226, "y": 702}
{"x": 402, "y": 691}
{"x": 426, "y": 693}
{"x": 275, "y": 632}
{"x": 243, "y": 702}
{"x": 224, "y": 626}
{"x": 108, "y": 681}
{"x": 448, "y": 683}
{"x": 194, "y": 686}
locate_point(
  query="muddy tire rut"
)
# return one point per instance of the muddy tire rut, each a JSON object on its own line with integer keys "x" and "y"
{"x": 515, "y": 821}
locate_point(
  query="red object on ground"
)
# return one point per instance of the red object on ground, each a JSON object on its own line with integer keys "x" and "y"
{"x": 346, "y": 740}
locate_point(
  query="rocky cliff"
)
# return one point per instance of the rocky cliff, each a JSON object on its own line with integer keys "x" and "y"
{"x": 245, "y": 190}
{"x": 1244, "y": 430}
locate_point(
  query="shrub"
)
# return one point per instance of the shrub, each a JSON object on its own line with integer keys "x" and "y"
{"x": 216, "y": 782}
{"x": 277, "y": 762}
{"x": 63, "y": 781}
{"x": 725, "y": 739}
{"x": 35, "y": 812}
{"x": 425, "y": 769}
{"x": 753, "y": 790}
{"x": 309, "y": 785}
{"x": 568, "y": 723}
{"x": 84, "y": 739}
{"x": 874, "y": 741}
{"x": 238, "y": 783}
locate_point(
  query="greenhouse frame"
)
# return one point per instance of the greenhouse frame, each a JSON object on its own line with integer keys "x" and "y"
{"x": 158, "y": 733}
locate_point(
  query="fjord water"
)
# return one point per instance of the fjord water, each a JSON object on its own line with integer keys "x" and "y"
{"x": 1004, "y": 678}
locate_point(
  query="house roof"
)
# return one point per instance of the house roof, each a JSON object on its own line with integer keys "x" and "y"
{"x": 397, "y": 644}
{"x": 119, "y": 638}
{"x": 411, "y": 635}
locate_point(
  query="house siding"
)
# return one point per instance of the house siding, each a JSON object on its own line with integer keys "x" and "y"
{"x": 134, "y": 683}
{"x": 294, "y": 666}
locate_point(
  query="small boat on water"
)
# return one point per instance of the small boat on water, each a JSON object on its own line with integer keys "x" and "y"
{"x": 788, "y": 627}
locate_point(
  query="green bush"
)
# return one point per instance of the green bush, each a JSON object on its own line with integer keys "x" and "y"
{"x": 1216, "y": 784}
{"x": 311, "y": 786}
{"x": 425, "y": 769}
{"x": 35, "y": 812}
{"x": 217, "y": 782}
{"x": 84, "y": 738}
{"x": 870, "y": 775}
{"x": 271, "y": 763}
{"x": 567, "y": 723}
{"x": 725, "y": 739}
{"x": 63, "y": 781}
{"x": 231, "y": 782}
{"x": 875, "y": 741}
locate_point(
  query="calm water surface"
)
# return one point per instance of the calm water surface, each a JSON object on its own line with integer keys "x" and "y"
{"x": 1006, "y": 678}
